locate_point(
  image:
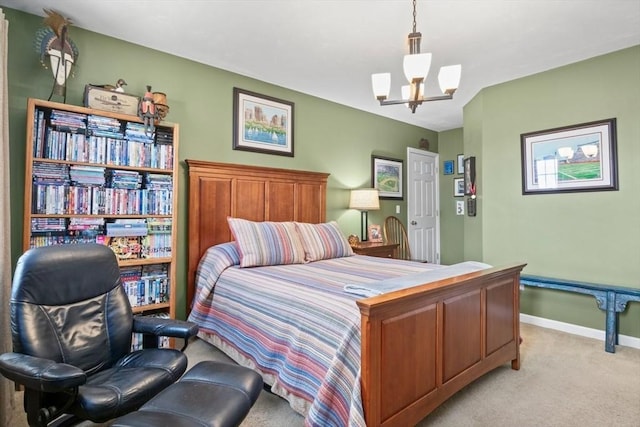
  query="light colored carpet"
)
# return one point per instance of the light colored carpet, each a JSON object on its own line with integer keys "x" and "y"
{"x": 564, "y": 380}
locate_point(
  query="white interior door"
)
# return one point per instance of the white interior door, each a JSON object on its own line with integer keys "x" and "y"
{"x": 423, "y": 205}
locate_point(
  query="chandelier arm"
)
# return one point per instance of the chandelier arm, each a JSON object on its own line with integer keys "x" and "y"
{"x": 395, "y": 101}
{"x": 437, "y": 98}
{"x": 411, "y": 101}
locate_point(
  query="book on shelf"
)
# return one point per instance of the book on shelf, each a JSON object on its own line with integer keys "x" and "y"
{"x": 146, "y": 285}
{"x": 138, "y": 241}
{"x": 50, "y": 238}
{"x": 125, "y": 248}
{"x": 159, "y": 225}
{"x": 157, "y": 243}
{"x": 127, "y": 227}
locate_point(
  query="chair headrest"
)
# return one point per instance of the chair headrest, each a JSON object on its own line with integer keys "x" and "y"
{"x": 63, "y": 274}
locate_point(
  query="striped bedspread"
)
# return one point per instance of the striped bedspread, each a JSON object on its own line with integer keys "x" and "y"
{"x": 295, "y": 324}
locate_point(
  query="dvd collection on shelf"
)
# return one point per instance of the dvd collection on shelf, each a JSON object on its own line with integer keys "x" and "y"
{"x": 102, "y": 178}
{"x": 64, "y": 135}
{"x": 147, "y": 284}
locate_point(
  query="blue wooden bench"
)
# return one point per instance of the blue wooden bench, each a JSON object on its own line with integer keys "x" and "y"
{"x": 611, "y": 299}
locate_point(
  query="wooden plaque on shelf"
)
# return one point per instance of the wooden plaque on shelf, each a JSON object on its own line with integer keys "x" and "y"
{"x": 107, "y": 100}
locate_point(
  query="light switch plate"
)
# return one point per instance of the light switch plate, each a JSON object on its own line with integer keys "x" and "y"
{"x": 459, "y": 207}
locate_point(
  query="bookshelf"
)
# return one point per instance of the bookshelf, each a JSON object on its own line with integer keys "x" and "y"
{"x": 96, "y": 176}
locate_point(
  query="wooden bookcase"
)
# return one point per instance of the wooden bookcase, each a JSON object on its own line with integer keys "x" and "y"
{"x": 92, "y": 176}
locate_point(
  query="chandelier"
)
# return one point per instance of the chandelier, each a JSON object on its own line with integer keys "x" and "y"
{"x": 416, "y": 68}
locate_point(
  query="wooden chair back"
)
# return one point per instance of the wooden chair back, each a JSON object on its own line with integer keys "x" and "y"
{"x": 394, "y": 232}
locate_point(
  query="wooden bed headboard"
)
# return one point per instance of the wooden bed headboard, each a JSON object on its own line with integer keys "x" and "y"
{"x": 220, "y": 190}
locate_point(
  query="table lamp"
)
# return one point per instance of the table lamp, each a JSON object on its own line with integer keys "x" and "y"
{"x": 365, "y": 200}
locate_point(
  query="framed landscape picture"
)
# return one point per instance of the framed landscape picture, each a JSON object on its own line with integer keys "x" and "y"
{"x": 570, "y": 159}
{"x": 262, "y": 123}
{"x": 386, "y": 177}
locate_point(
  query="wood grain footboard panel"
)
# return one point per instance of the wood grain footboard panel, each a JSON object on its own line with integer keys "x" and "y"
{"x": 422, "y": 345}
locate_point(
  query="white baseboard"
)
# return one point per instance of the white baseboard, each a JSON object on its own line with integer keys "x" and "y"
{"x": 577, "y": 330}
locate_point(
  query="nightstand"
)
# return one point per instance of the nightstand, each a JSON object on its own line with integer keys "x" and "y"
{"x": 382, "y": 250}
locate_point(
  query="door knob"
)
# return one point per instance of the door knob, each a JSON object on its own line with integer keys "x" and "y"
{"x": 413, "y": 223}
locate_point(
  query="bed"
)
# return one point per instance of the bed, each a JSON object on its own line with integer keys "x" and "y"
{"x": 404, "y": 353}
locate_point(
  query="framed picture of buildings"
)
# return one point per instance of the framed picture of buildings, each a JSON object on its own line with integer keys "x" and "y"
{"x": 262, "y": 123}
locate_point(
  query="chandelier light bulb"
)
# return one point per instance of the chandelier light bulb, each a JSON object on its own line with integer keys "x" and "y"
{"x": 416, "y": 66}
{"x": 381, "y": 84}
{"x": 449, "y": 78}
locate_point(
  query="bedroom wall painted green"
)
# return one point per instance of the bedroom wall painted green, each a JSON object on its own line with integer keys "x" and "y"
{"x": 328, "y": 137}
{"x": 589, "y": 236}
{"x": 451, "y": 225}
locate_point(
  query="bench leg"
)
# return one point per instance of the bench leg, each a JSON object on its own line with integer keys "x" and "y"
{"x": 611, "y": 334}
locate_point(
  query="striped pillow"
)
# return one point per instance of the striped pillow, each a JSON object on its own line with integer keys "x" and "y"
{"x": 266, "y": 243}
{"x": 323, "y": 241}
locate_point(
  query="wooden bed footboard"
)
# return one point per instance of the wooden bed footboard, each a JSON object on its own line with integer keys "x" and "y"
{"x": 421, "y": 345}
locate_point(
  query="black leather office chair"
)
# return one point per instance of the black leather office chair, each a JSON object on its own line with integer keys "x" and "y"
{"x": 71, "y": 325}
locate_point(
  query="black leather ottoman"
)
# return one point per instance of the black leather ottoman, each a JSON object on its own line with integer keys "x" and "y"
{"x": 211, "y": 394}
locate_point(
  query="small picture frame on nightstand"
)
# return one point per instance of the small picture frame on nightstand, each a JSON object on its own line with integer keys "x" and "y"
{"x": 375, "y": 233}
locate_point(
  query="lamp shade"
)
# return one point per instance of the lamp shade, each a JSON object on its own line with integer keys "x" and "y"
{"x": 381, "y": 84}
{"x": 449, "y": 78}
{"x": 416, "y": 66}
{"x": 365, "y": 199}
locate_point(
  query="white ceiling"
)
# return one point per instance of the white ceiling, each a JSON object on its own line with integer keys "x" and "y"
{"x": 329, "y": 48}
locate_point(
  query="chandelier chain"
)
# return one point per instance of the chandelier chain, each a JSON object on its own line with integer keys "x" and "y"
{"x": 414, "y": 16}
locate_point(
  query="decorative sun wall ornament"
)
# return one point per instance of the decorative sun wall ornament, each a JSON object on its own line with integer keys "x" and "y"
{"x": 57, "y": 51}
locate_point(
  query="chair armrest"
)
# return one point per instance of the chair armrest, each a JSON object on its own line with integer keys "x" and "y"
{"x": 164, "y": 327}
{"x": 40, "y": 374}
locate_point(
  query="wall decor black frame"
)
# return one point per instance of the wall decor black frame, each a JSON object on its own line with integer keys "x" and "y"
{"x": 458, "y": 187}
{"x": 470, "y": 176}
{"x": 262, "y": 123}
{"x": 569, "y": 159}
{"x": 460, "y": 159}
{"x": 386, "y": 177}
